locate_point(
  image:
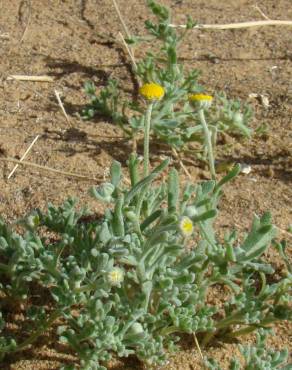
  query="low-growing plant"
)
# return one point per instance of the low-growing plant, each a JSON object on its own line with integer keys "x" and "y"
{"x": 174, "y": 120}
{"x": 130, "y": 281}
{"x": 256, "y": 357}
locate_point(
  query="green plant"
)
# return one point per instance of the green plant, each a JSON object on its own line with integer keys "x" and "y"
{"x": 129, "y": 281}
{"x": 174, "y": 121}
{"x": 256, "y": 357}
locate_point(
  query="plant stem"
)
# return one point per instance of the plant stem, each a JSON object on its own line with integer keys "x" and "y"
{"x": 146, "y": 138}
{"x": 241, "y": 332}
{"x": 234, "y": 319}
{"x": 34, "y": 336}
{"x": 208, "y": 336}
{"x": 169, "y": 330}
{"x": 208, "y": 143}
{"x": 42, "y": 329}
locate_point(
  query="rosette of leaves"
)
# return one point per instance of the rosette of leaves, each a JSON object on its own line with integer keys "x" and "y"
{"x": 131, "y": 280}
{"x": 174, "y": 121}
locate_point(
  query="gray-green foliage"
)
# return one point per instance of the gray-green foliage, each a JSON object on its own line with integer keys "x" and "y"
{"x": 174, "y": 121}
{"x": 256, "y": 357}
{"x": 131, "y": 280}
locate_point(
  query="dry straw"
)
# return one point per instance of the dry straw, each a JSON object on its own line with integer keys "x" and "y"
{"x": 45, "y": 168}
{"x": 24, "y": 155}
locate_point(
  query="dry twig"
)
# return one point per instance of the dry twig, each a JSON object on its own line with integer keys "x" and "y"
{"x": 45, "y": 168}
{"x": 24, "y": 155}
{"x": 198, "y": 348}
{"x": 134, "y": 64}
{"x": 30, "y": 78}
{"x": 127, "y": 32}
{"x": 27, "y": 23}
{"x": 229, "y": 26}
{"x": 121, "y": 19}
{"x": 62, "y": 106}
{"x": 287, "y": 233}
{"x": 4, "y": 36}
{"x": 181, "y": 163}
{"x": 256, "y": 7}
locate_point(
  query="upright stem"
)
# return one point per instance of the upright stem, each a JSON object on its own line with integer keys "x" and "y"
{"x": 147, "y": 138}
{"x": 208, "y": 143}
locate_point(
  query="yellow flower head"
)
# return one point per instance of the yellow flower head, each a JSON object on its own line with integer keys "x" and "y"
{"x": 186, "y": 226}
{"x": 115, "y": 276}
{"x": 200, "y": 100}
{"x": 200, "y": 97}
{"x": 152, "y": 91}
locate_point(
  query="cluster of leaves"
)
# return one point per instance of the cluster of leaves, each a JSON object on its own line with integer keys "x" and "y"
{"x": 174, "y": 121}
{"x": 257, "y": 357}
{"x": 129, "y": 282}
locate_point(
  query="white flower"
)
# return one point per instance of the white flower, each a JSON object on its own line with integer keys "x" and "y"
{"x": 115, "y": 276}
{"x": 186, "y": 226}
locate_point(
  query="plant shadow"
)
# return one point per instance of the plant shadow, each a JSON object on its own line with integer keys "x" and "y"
{"x": 118, "y": 148}
{"x": 63, "y": 67}
{"x": 90, "y": 146}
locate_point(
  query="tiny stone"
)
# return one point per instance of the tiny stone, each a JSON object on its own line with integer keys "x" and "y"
{"x": 245, "y": 168}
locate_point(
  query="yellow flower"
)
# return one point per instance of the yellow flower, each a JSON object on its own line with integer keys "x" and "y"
{"x": 115, "y": 276}
{"x": 200, "y": 97}
{"x": 200, "y": 100}
{"x": 152, "y": 91}
{"x": 186, "y": 226}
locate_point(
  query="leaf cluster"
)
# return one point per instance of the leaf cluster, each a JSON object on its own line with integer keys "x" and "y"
{"x": 165, "y": 277}
{"x": 256, "y": 357}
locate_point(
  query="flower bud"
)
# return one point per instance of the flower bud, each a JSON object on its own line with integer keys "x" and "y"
{"x": 136, "y": 328}
{"x": 131, "y": 216}
{"x": 33, "y": 221}
{"x": 238, "y": 118}
{"x": 200, "y": 101}
{"x": 191, "y": 211}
